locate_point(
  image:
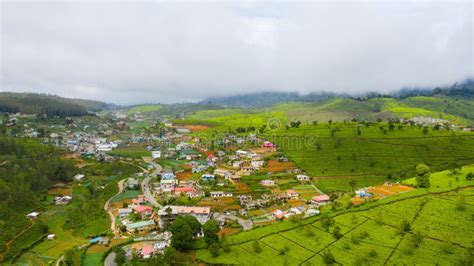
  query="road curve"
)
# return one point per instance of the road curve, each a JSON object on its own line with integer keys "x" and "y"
{"x": 146, "y": 186}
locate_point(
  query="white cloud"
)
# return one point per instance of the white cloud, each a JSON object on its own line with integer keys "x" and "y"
{"x": 133, "y": 52}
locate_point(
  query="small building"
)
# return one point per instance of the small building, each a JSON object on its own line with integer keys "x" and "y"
{"x": 124, "y": 212}
{"x": 223, "y": 172}
{"x": 302, "y": 177}
{"x": 147, "y": 251}
{"x": 140, "y": 227}
{"x": 267, "y": 183}
{"x": 144, "y": 211}
{"x": 62, "y": 200}
{"x": 51, "y": 236}
{"x": 219, "y": 194}
{"x": 32, "y": 215}
{"x": 79, "y": 177}
{"x": 208, "y": 177}
{"x": 156, "y": 154}
{"x": 321, "y": 199}
{"x": 268, "y": 145}
{"x": 237, "y": 164}
{"x": 292, "y": 193}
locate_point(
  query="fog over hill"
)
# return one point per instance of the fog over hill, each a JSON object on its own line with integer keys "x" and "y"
{"x": 135, "y": 52}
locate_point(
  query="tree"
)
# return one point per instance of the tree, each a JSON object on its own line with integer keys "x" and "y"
{"x": 425, "y": 130}
{"x": 405, "y": 226}
{"x": 337, "y": 232}
{"x": 120, "y": 257}
{"x": 169, "y": 255}
{"x": 353, "y": 183}
{"x": 315, "y": 122}
{"x": 256, "y": 247}
{"x": 423, "y": 176}
{"x": 182, "y": 238}
{"x": 328, "y": 258}
{"x": 193, "y": 223}
{"x": 469, "y": 176}
{"x": 214, "y": 249}
{"x": 210, "y": 230}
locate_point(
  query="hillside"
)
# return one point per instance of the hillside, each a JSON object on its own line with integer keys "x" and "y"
{"x": 51, "y": 105}
{"x": 423, "y": 226}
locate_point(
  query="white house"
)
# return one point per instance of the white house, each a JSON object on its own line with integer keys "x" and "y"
{"x": 32, "y": 215}
{"x": 267, "y": 183}
{"x": 79, "y": 177}
{"x": 156, "y": 154}
{"x": 219, "y": 194}
{"x": 302, "y": 177}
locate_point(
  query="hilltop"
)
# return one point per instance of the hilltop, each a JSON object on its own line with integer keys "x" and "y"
{"x": 51, "y": 105}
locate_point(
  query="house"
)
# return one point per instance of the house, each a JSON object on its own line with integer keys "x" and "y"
{"x": 143, "y": 211}
{"x": 132, "y": 184}
{"x": 320, "y": 200}
{"x": 178, "y": 191}
{"x": 257, "y": 164}
{"x": 208, "y": 177}
{"x": 234, "y": 179}
{"x": 302, "y": 177}
{"x": 79, "y": 177}
{"x": 219, "y": 194}
{"x": 278, "y": 214}
{"x": 237, "y": 164}
{"x": 241, "y": 153}
{"x": 169, "y": 213}
{"x": 62, "y": 200}
{"x": 292, "y": 193}
{"x": 140, "y": 227}
{"x": 32, "y": 215}
{"x": 124, "y": 212}
{"x": 268, "y": 145}
{"x": 222, "y": 172}
{"x": 167, "y": 185}
{"x": 147, "y": 251}
{"x": 168, "y": 175}
{"x": 99, "y": 240}
{"x": 51, "y": 236}
{"x": 156, "y": 154}
{"x": 140, "y": 200}
{"x": 267, "y": 183}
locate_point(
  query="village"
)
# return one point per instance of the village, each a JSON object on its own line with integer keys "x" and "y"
{"x": 244, "y": 182}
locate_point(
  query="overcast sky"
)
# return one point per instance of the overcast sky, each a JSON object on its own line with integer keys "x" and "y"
{"x": 135, "y": 52}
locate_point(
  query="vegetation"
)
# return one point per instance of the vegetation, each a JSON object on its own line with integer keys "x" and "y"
{"x": 43, "y": 104}
{"x": 27, "y": 170}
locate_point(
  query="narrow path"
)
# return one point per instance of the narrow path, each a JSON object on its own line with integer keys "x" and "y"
{"x": 107, "y": 206}
{"x": 7, "y": 244}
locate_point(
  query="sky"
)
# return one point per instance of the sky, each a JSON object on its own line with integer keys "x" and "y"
{"x": 153, "y": 51}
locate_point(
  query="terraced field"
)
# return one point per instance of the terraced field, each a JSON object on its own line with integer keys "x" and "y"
{"x": 335, "y": 154}
{"x": 439, "y": 232}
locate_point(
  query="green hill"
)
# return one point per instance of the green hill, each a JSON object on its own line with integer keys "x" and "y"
{"x": 51, "y": 105}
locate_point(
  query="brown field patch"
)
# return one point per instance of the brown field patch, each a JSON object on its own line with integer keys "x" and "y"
{"x": 196, "y": 127}
{"x": 60, "y": 191}
{"x": 242, "y": 187}
{"x": 357, "y": 201}
{"x": 185, "y": 175}
{"x": 387, "y": 190}
{"x": 227, "y": 231}
{"x": 276, "y": 166}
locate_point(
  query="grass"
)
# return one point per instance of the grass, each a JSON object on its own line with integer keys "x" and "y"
{"x": 136, "y": 151}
